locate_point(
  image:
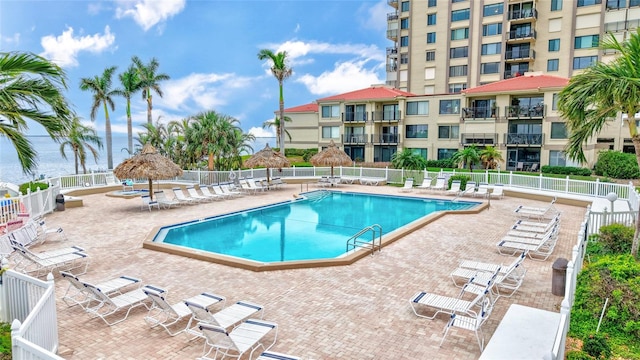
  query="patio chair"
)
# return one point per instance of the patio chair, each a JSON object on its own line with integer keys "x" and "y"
{"x": 193, "y": 193}
{"x": 44, "y": 231}
{"x": 469, "y": 189}
{"x": 127, "y": 185}
{"x": 271, "y": 355}
{"x": 5, "y": 246}
{"x": 537, "y": 212}
{"x": 225, "y": 318}
{"x": 520, "y": 166}
{"x": 426, "y": 184}
{"x": 482, "y": 191}
{"x": 497, "y": 192}
{"x": 253, "y": 186}
{"x": 324, "y": 181}
{"x": 472, "y": 323}
{"x": 208, "y": 194}
{"x": 455, "y": 188}
{"x": 179, "y": 196}
{"x": 448, "y": 304}
{"x": 537, "y": 249}
{"x": 33, "y": 265}
{"x": 441, "y": 184}
{"x": 167, "y": 315}
{"x": 226, "y": 189}
{"x": 508, "y": 278}
{"x": 148, "y": 203}
{"x": 408, "y": 185}
{"x": 108, "y": 306}
{"x": 245, "y": 337}
{"x": 77, "y": 293}
{"x": 277, "y": 182}
{"x": 164, "y": 201}
{"x": 536, "y": 226}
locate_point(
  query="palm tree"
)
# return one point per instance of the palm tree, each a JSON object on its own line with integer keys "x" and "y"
{"x": 467, "y": 156}
{"x": 281, "y": 72}
{"x": 31, "y": 88}
{"x": 130, "y": 85}
{"x": 594, "y": 97}
{"x": 208, "y": 135}
{"x": 275, "y": 123}
{"x": 79, "y": 139}
{"x": 406, "y": 159}
{"x": 155, "y": 135}
{"x": 149, "y": 80}
{"x": 490, "y": 156}
{"x": 100, "y": 86}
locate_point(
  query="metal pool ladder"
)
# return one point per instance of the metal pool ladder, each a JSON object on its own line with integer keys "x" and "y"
{"x": 376, "y": 231}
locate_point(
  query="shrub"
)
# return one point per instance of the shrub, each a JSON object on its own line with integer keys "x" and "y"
{"x": 617, "y": 165}
{"x": 463, "y": 180}
{"x": 308, "y": 153}
{"x": 597, "y": 345}
{"x": 565, "y": 170}
{"x": 33, "y": 186}
{"x": 442, "y": 164}
{"x": 5, "y": 341}
{"x": 578, "y": 355}
{"x": 616, "y": 239}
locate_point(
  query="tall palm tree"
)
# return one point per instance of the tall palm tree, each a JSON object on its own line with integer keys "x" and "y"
{"x": 239, "y": 142}
{"x": 103, "y": 95}
{"x": 275, "y": 123}
{"x": 149, "y": 81}
{"x": 406, "y": 159}
{"x": 79, "y": 139}
{"x": 31, "y": 87}
{"x": 490, "y": 156}
{"x": 209, "y": 134}
{"x": 594, "y": 97}
{"x": 281, "y": 71}
{"x": 467, "y": 156}
{"x": 130, "y": 85}
{"x": 156, "y": 135}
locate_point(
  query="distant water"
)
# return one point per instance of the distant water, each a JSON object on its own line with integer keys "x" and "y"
{"x": 51, "y": 163}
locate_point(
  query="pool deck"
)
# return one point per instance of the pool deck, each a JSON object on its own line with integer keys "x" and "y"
{"x": 360, "y": 311}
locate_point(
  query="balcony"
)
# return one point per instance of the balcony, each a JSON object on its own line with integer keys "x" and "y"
{"x": 520, "y": 112}
{"x": 389, "y": 116}
{"x": 518, "y": 35}
{"x": 525, "y": 14}
{"x": 393, "y": 3}
{"x": 392, "y": 16}
{"x": 392, "y": 52}
{"x": 385, "y": 138}
{"x": 511, "y": 74}
{"x": 522, "y": 54}
{"x": 392, "y": 67}
{"x": 351, "y": 116}
{"x": 392, "y": 34}
{"x": 523, "y": 139}
{"x": 479, "y": 113}
{"x": 354, "y": 139}
{"x": 479, "y": 139}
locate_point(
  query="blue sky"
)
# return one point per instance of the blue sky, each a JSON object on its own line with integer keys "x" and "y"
{"x": 208, "y": 48}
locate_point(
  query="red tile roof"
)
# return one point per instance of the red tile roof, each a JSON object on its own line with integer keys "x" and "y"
{"x": 520, "y": 83}
{"x": 373, "y": 92}
{"x": 313, "y": 107}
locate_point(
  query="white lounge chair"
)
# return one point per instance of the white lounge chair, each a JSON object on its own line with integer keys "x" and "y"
{"x": 508, "y": 278}
{"x": 455, "y": 188}
{"x": 441, "y": 184}
{"x": 537, "y": 212}
{"x": 225, "y": 318}
{"x": 470, "y": 189}
{"x": 426, "y": 184}
{"x": 408, "y": 185}
{"x": 167, "y": 315}
{"x": 537, "y": 249}
{"x": 277, "y": 182}
{"x": 217, "y": 189}
{"x": 447, "y": 304}
{"x": 497, "y": 192}
{"x": 254, "y": 186}
{"x": 109, "y": 306}
{"x": 43, "y": 231}
{"x": 78, "y": 294}
{"x": 245, "y": 337}
{"x": 36, "y": 266}
{"x": 205, "y": 192}
{"x": 165, "y": 202}
{"x": 482, "y": 191}
{"x": 472, "y": 323}
{"x": 193, "y": 193}
{"x": 227, "y": 189}
{"x": 148, "y": 203}
{"x": 272, "y": 355}
{"x": 179, "y": 196}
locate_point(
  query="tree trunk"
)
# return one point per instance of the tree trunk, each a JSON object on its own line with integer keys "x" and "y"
{"x": 281, "y": 127}
{"x": 75, "y": 157}
{"x": 107, "y": 133}
{"x": 149, "y": 107}
{"x": 129, "y": 128}
{"x": 634, "y": 244}
{"x": 210, "y": 161}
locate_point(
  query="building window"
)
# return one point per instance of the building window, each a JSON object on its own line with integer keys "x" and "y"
{"x": 444, "y": 154}
{"x": 556, "y": 5}
{"x": 330, "y": 111}
{"x": 554, "y": 102}
{"x": 459, "y": 52}
{"x": 490, "y": 68}
{"x": 458, "y": 70}
{"x": 616, "y": 4}
{"x": 450, "y": 107}
{"x": 491, "y": 49}
{"x": 554, "y": 45}
{"x": 418, "y": 108}
{"x": 404, "y": 41}
{"x": 432, "y": 3}
{"x": 420, "y": 152}
{"x": 431, "y": 55}
{"x": 404, "y": 58}
{"x": 492, "y": 29}
{"x": 558, "y": 130}
{"x": 460, "y": 34}
{"x": 457, "y": 88}
{"x": 582, "y": 3}
{"x": 588, "y": 41}
{"x": 459, "y": 15}
{"x": 552, "y": 64}
{"x": 404, "y": 6}
{"x": 404, "y": 23}
{"x": 493, "y": 9}
{"x": 417, "y": 131}
{"x": 583, "y": 62}
{"x": 431, "y": 19}
{"x": 431, "y": 38}
{"x": 559, "y": 158}
{"x": 448, "y": 131}
{"x": 330, "y": 132}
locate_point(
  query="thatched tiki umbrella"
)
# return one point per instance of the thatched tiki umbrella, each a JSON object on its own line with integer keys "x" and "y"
{"x": 148, "y": 164}
{"x": 267, "y": 158}
{"x": 331, "y": 156}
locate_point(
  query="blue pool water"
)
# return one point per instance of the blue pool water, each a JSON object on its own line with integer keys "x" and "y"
{"x": 313, "y": 228}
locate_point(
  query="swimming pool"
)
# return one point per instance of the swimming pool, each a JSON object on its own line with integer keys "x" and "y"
{"x": 315, "y": 226}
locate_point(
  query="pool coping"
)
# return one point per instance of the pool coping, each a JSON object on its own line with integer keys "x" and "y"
{"x": 343, "y": 260}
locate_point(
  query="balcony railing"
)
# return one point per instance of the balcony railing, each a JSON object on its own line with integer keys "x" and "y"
{"x": 520, "y": 54}
{"x": 354, "y": 116}
{"x": 392, "y": 51}
{"x": 536, "y": 111}
{"x": 479, "y": 113}
{"x": 354, "y": 139}
{"x": 392, "y": 34}
{"x": 523, "y": 14}
{"x": 519, "y": 34}
{"x": 392, "y": 67}
{"x": 479, "y": 138}
{"x": 386, "y": 115}
{"x": 385, "y": 138}
{"x": 523, "y": 139}
{"x": 392, "y": 16}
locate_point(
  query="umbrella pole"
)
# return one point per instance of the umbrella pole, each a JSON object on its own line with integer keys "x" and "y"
{"x": 151, "y": 188}
{"x": 331, "y": 170}
{"x": 267, "y": 175}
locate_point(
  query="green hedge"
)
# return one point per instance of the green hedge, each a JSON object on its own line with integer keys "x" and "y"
{"x": 617, "y": 165}
{"x": 442, "y": 164}
{"x": 463, "y": 180}
{"x": 565, "y": 170}
{"x": 33, "y": 186}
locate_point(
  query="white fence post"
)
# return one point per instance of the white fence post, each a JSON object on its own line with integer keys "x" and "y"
{"x": 566, "y": 185}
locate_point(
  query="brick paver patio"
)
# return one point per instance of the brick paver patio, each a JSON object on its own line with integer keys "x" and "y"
{"x": 359, "y": 311}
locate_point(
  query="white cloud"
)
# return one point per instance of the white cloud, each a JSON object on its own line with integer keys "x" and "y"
{"x": 148, "y": 13}
{"x": 262, "y": 133}
{"x": 11, "y": 40}
{"x": 65, "y": 48}
{"x": 298, "y": 49}
{"x": 333, "y": 82}
{"x": 374, "y": 17}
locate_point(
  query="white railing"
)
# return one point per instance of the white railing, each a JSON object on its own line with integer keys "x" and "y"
{"x": 30, "y": 304}
{"x": 35, "y": 204}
